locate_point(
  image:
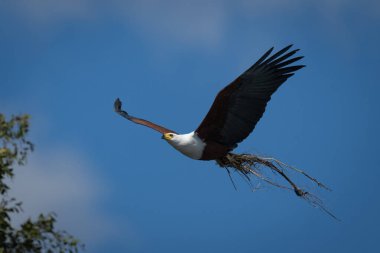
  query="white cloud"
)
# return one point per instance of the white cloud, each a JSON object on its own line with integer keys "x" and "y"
{"x": 195, "y": 22}
{"x": 199, "y": 23}
{"x": 45, "y": 12}
{"x": 63, "y": 182}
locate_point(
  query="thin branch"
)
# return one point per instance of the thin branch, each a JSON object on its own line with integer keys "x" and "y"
{"x": 297, "y": 170}
{"x": 248, "y": 164}
{"x": 232, "y": 181}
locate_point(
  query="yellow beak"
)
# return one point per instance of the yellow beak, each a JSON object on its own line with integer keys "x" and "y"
{"x": 167, "y": 136}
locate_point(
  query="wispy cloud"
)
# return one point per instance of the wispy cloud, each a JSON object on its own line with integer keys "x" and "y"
{"x": 195, "y": 22}
{"x": 42, "y": 12}
{"x": 200, "y": 23}
{"x": 64, "y": 182}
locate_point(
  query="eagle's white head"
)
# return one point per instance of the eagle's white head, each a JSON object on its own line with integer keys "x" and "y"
{"x": 188, "y": 144}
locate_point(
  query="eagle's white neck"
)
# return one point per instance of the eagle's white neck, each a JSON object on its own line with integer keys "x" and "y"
{"x": 188, "y": 144}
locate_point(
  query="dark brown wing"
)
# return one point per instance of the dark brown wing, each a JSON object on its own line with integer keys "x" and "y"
{"x": 117, "y": 106}
{"x": 239, "y": 106}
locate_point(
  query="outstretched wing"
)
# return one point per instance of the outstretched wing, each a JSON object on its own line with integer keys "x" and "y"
{"x": 117, "y": 106}
{"x": 239, "y": 106}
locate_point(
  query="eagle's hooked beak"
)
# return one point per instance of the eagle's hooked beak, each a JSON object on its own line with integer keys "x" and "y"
{"x": 167, "y": 136}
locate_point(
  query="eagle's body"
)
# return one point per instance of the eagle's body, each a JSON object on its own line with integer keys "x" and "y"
{"x": 236, "y": 109}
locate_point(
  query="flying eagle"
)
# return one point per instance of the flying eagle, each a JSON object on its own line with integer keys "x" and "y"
{"x": 235, "y": 112}
{"x": 232, "y": 117}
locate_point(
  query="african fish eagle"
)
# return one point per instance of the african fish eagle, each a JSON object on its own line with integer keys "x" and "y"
{"x": 235, "y": 112}
{"x": 232, "y": 117}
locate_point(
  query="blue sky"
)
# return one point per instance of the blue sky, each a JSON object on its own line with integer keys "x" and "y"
{"x": 120, "y": 188}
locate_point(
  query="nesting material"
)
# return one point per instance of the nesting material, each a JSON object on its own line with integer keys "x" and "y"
{"x": 249, "y": 165}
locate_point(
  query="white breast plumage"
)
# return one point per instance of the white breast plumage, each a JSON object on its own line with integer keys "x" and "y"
{"x": 188, "y": 144}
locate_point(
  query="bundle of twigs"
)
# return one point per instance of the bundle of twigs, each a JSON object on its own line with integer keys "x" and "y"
{"x": 251, "y": 165}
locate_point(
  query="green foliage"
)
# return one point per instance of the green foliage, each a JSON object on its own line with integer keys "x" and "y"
{"x": 32, "y": 236}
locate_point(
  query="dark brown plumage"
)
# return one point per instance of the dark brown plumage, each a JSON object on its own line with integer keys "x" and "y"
{"x": 240, "y": 105}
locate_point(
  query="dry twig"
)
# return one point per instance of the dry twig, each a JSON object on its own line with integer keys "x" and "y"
{"x": 248, "y": 164}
